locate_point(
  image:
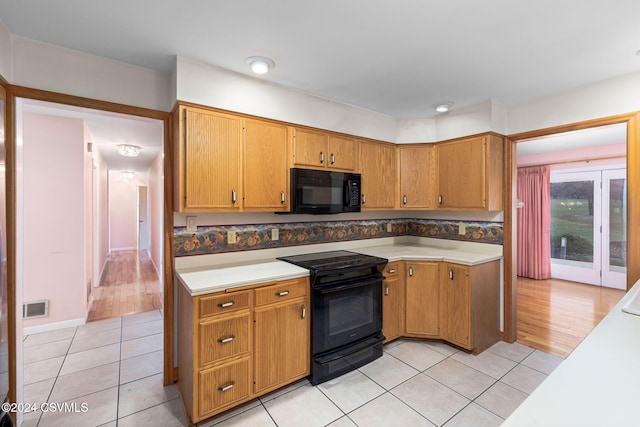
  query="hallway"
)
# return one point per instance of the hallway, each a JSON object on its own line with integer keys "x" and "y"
{"x": 128, "y": 285}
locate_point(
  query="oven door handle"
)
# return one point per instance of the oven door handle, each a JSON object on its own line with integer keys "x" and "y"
{"x": 358, "y": 284}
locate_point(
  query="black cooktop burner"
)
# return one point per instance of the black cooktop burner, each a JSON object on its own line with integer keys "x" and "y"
{"x": 333, "y": 260}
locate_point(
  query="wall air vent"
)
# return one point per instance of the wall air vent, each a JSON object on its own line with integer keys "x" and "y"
{"x": 35, "y": 309}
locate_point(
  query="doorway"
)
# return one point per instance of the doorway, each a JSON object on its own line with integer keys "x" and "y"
{"x": 589, "y": 226}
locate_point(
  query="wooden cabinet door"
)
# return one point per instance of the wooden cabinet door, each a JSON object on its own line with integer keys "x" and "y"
{"x": 282, "y": 343}
{"x": 416, "y": 176}
{"x": 456, "y": 287}
{"x": 343, "y": 153}
{"x": 265, "y": 166}
{"x": 462, "y": 174}
{"x": 422, "y": 301}
{"x": 310, "y": 149}
{"x": 392, "y": 302}
{"x": 211, "y": 165}
{"x": 379, "y": 169}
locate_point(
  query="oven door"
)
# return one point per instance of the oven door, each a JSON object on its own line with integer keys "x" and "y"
{"x": 346, "y": 311}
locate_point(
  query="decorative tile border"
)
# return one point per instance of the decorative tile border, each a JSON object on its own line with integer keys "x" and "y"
{"x": 212, "y": 239}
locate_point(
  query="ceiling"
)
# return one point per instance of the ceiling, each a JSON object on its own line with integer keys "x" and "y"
{"x": 110, "y": 130}
{"x": 397, "y": 58}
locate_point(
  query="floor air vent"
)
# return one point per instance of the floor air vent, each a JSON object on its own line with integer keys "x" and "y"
{"x": 35, "y": 309}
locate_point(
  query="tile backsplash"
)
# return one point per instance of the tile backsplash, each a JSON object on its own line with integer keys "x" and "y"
{"x": 214, "y": 239}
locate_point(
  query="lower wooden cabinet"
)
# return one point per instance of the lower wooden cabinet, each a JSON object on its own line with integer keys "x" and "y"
{"x": 393, "y": 301}
{"x": 235, "y": 346}
{"x": 422, "y": 299}
{"x": 281, "y": 330}
{"x": 471, "y": 304}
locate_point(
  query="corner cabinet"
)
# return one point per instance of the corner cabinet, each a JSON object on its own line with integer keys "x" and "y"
{"x": 417, "y": 173}
{"x": 393, "y": 301}
{"x": 314, "y": 149}
{"x": 235, "y": 346}
{"x": 379, "y": 169}
{"x": 471, "y": 309}
{"x": 265, "y": 166}
{"x": 208, "y": 160}
{"x": 470, "y": 173}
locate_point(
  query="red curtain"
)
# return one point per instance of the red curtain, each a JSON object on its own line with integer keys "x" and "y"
{"x": 534, "y": 222}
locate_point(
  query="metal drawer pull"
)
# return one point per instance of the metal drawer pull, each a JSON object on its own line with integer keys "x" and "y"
{"x": 321, "y": 157}
{"x": 404, "y": 200}
{"x": 304, "y": 311}
{"x": 227, "y": 387}
{"x": 226, "y": 340}
{"x": 282, "y": 200}
{"x": 451, "y": 274}
{"x": 393, "y": 270}
{"x": 333, "y": 158}
{"x": 410, "y": 271}
{"x": 234, "y": 197}
{"x": 386, "y": 290}
{"x": 282, "y": 294}
{"x": 226, "y": 304}
{"x": 440, "y": 200}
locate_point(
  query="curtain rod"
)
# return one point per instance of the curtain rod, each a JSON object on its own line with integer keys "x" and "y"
{"x": 571, "y": 161}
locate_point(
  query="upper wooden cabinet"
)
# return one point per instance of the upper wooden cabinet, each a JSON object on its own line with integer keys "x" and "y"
{"x": 470, "y": 173}
{"x": 320, "y": 150}
{"x": 417, "y": 173}
{"x": 265, "y": 166}
{"x": 379, "y": 169}
{"x": 208, "y": 160}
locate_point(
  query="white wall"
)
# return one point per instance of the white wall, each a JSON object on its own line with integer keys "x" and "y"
{"x": 205, "y": 84}
{"x": 5, "y": 53}
{"x": 611, "y": 97}
{"x": 53, "y": 197}
{"x": 123, "y": 211}
{"x": 155, "y": 212}
{"x": 48, "y": 67}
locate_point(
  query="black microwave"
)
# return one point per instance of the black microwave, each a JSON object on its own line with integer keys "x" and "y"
{"x": 324, "y": 192}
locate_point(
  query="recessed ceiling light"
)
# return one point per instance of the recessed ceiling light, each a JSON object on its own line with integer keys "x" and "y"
{"x": 443, "y": 107}
{"x": 128, "y": 150}
{"x": 260, "y": 64}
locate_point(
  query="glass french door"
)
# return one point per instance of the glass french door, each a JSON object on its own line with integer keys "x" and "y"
{"x": 588, "y": 227}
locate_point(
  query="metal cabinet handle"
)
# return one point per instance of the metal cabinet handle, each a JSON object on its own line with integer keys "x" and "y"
{"x": 364, "y": 199}
{"x": 393, "y": 270}
{"x": 404, "y": 199}
{"x": 451, "y": 274}
{"x": 227, "y": 387}
{"x": 282, "y": 199}
{"x": 440, "y": 199}
{"x": 321, "y": 157}
{"x": 304, "y": 312}
{"x": 282, "y": 294}
{"x": 333, "y": 158}
{"x": 410, "y": 271}
{"x": 226, "y": 340}
{"x": 386, "y": 290}
{"x": 226, "y": 304}
{"x": 234, "y": 197}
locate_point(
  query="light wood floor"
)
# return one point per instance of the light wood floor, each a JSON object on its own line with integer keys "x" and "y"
{"x": 554, "y": 316}
{"x": 129, "y": 285}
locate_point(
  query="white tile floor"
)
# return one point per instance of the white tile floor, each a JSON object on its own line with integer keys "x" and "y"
{"x": 115, "y": 367}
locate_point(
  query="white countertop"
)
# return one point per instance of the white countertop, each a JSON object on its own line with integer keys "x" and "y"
{"x": 598, "y": 384}
{"x": 214, "y": 278}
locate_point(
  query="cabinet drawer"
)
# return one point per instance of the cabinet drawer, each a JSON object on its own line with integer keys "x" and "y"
{"x": 222, "y": 338}
{"x": 391, "y": 269}
{"x": 223, "y": 303}
{"x": 222, "y": 386}
{"x": 282, "y": 291}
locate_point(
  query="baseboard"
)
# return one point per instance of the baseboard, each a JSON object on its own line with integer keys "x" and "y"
{"x": 30, "y": 330}
{"x": 128, "y": 248}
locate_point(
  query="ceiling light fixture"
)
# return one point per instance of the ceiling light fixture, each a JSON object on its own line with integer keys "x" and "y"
{"x": 443, "y": 107}
{"x": 128, "y": 175}
{"x": 128, "y": 150}
{"x": 260, "y": 64}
